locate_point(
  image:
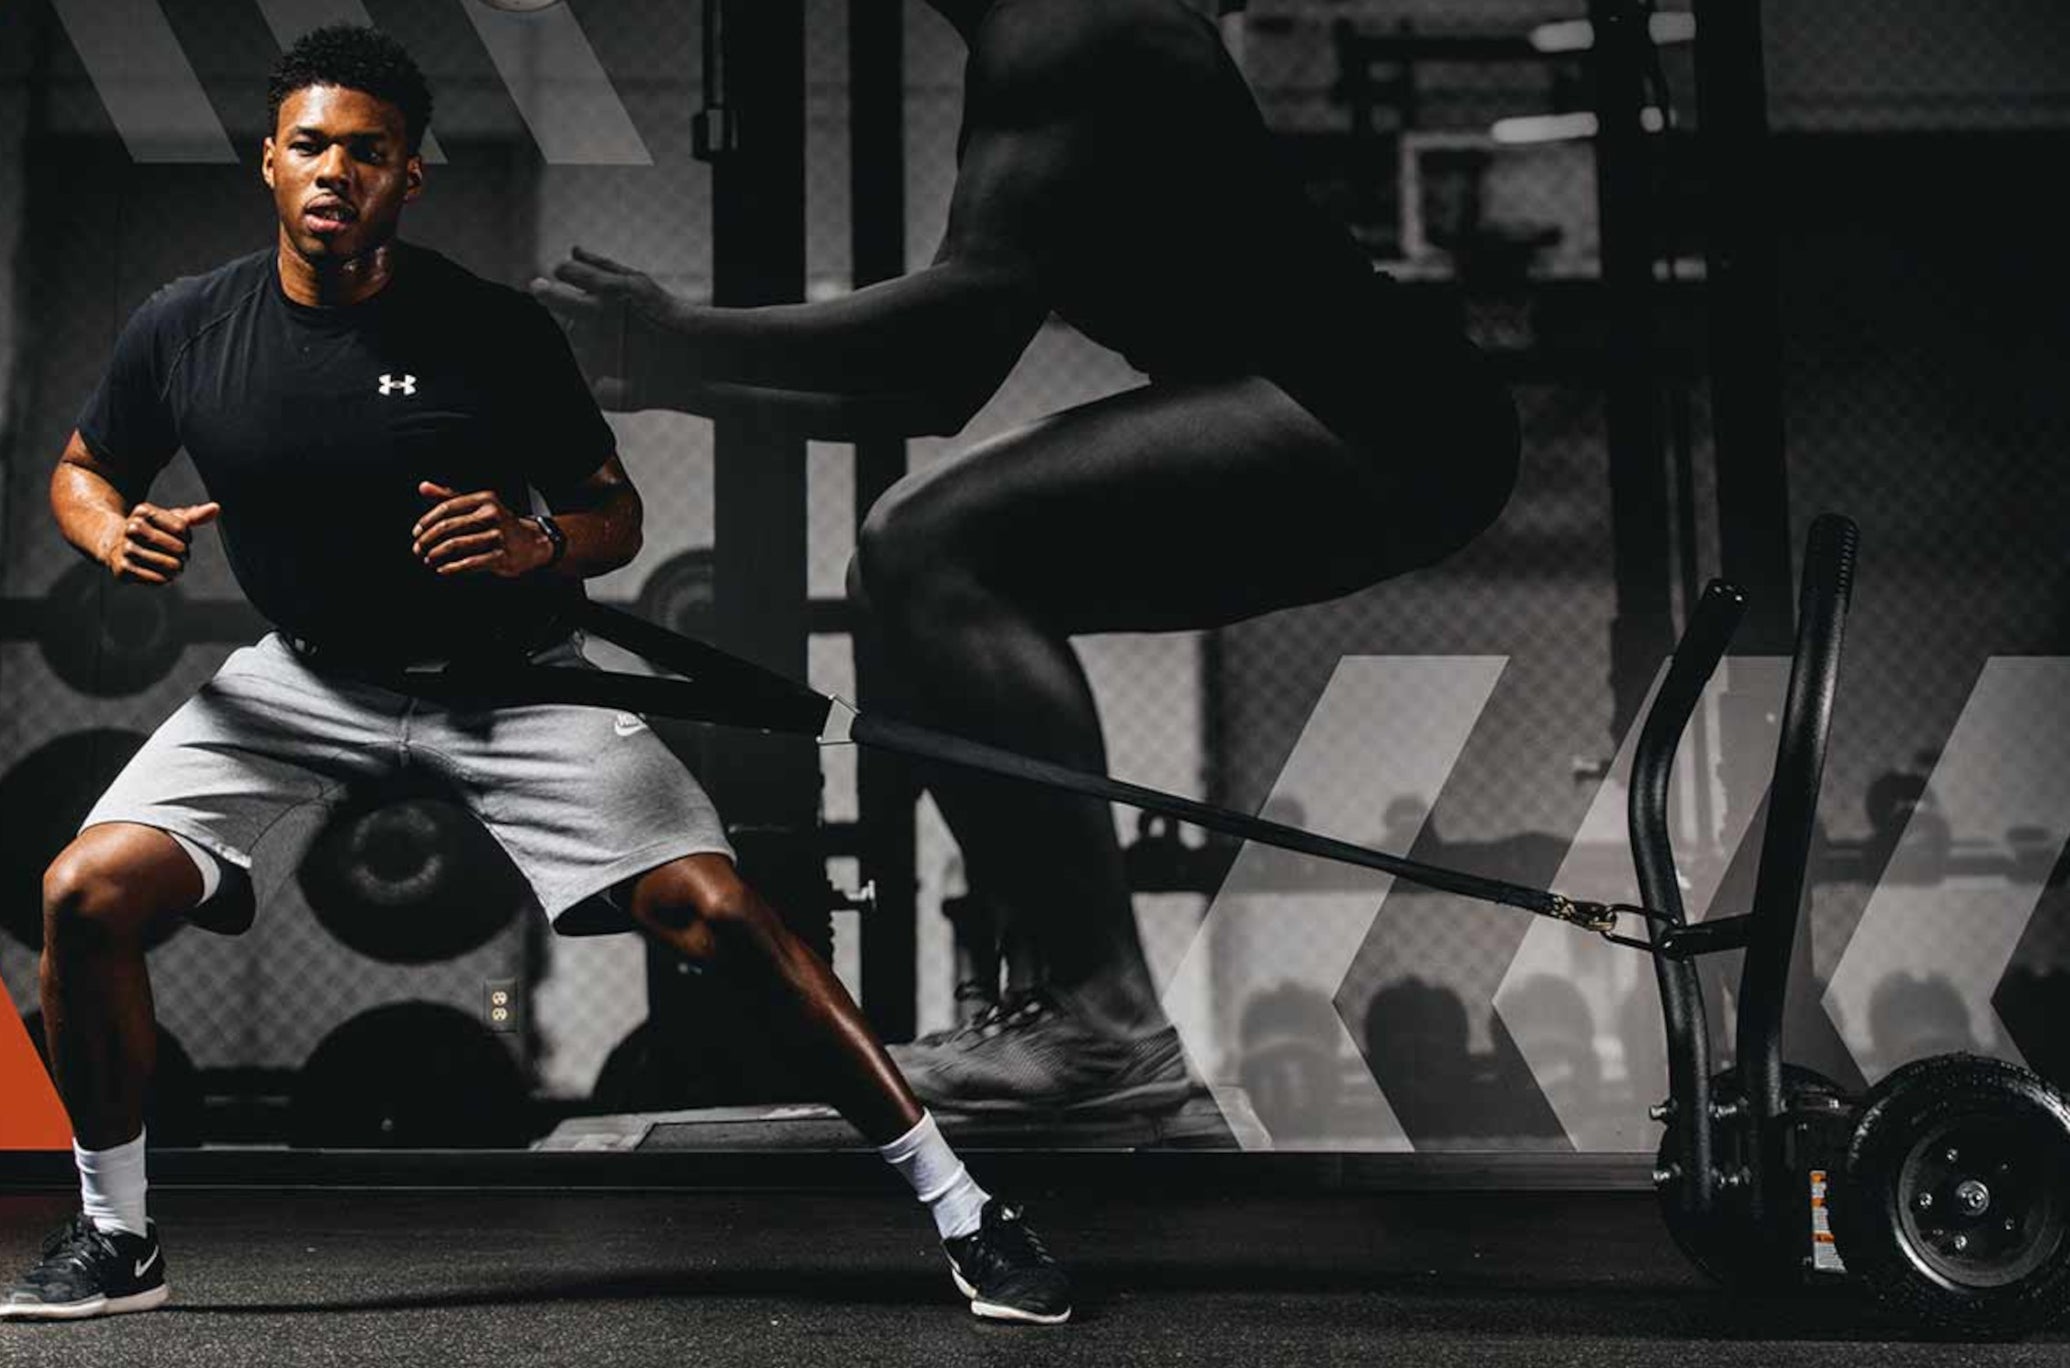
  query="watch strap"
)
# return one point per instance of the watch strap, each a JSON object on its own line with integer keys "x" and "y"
{"x": 554, "y": 534}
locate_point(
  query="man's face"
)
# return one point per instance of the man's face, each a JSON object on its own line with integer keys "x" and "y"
{"x": 340, "y": 172}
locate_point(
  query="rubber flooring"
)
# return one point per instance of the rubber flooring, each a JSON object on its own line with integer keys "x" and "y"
{"x": 529, "y": 1276}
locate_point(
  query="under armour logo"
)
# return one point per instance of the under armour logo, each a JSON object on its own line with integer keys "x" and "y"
{"x": 389, "y": 384}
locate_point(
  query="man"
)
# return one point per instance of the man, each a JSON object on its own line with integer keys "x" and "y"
{"x": 367, "y": 418}
{"x": 1301, "y": 435}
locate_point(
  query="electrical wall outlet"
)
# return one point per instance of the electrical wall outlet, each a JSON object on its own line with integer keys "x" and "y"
{"x": 500, "y": 1004}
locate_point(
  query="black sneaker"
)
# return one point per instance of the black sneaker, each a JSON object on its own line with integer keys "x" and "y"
{"x": 85, "y": 1271}
{"x": 1031, "y": 1056}
{"x": 1007, "y": 1274}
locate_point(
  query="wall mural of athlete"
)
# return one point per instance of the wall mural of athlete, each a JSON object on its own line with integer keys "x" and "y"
{"x": 1301, "y": 435}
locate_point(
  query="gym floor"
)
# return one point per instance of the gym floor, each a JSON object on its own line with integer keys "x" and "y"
{"x": 852, "y": 1275}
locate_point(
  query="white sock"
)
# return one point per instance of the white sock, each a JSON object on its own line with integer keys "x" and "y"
{"x": 938, "y": 1177}
{"x": 111, "y": 1185}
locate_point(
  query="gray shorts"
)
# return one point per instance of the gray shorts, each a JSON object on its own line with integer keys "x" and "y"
{"x": 581, "y": 799}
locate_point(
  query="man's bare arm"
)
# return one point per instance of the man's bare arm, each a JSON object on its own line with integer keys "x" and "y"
{"x": 100, "y": 509}
{"x": 602, "y": 517}
{"x": 921, "y": 352}
{"x": 477, "y": 533}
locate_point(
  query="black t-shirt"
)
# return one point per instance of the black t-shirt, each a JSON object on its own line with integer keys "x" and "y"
{"x": 312, "y": 427}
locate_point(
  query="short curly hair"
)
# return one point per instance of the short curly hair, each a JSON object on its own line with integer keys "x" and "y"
{"x": 354, "y": 57}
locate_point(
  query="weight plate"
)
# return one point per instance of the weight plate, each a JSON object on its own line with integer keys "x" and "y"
{"x": 409, "y": 878}
{"x": 43, "y": 799}
{"x": 410, "y": 1075}
{"x": 107, "y": 638}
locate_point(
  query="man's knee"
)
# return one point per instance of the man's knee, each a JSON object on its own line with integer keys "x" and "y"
{"x": 886, "y": 553}
{"x": 858, "y": 590}
{"x": 701, "y": 907}
{"x": 907, "y": 540}
{"x": 913, "y": 568}
{"x": 92, "y": 898}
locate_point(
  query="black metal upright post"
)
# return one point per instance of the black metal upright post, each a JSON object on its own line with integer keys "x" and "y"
{"x": 752, "y": 131}
{"x": 1745, "y": 314}
{"x": 885, "y": 791}
{"x": 1744, "y": 311}
{"x": 759, "y": 576}
{"x": 758, "y": 257}
{"x": 1643, "y": 631}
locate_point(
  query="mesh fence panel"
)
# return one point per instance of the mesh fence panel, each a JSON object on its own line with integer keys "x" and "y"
{"x": 1860, "y": 66}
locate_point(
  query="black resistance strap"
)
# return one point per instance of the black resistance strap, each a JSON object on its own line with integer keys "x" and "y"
{"x": 720, "y": 688}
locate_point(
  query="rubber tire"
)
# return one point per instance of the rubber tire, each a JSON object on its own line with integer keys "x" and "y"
{"x": 1865, "y": 1222}
{"x": 1724, "y": 1253}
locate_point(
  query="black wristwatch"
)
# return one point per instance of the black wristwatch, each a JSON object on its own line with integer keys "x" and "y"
{"x": 554, "y": 534}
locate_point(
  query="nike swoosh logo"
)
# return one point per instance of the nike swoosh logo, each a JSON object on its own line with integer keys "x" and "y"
{"x": 625, "y": 724}
{"x": 146, "y": 1264}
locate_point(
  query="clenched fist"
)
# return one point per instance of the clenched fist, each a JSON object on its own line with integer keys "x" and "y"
{"x": 153, "y": 543}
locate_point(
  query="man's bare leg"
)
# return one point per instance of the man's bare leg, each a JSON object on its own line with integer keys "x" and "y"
{"x": 700, "y": 907}
{"x": 101, "y": 898}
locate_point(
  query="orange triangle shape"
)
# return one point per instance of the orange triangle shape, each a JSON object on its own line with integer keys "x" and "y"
{"x": 31, "y": 1117}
